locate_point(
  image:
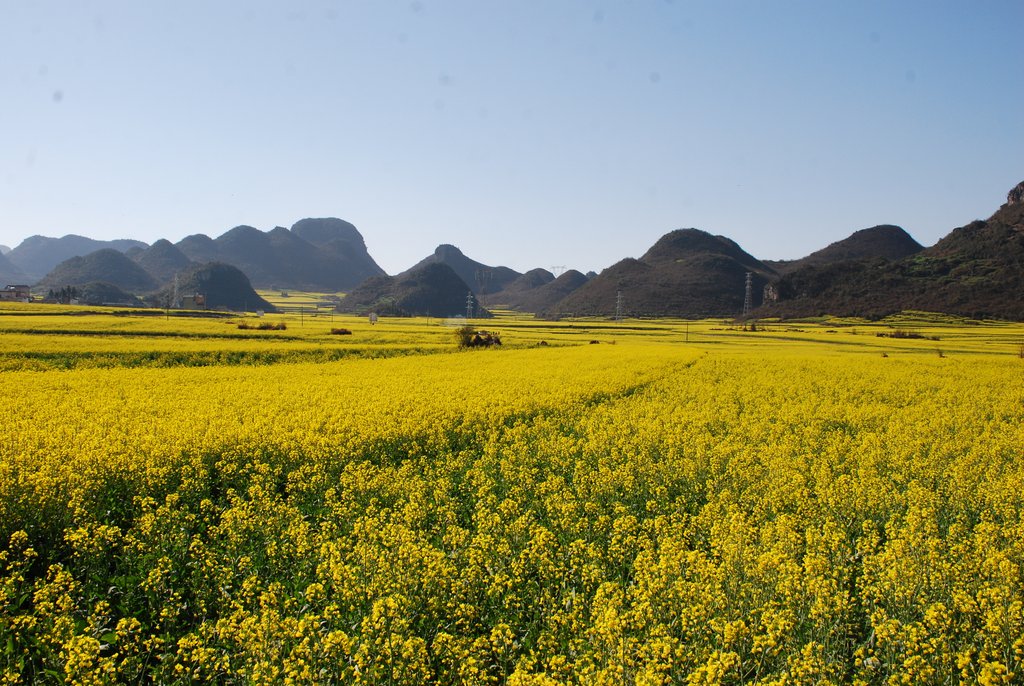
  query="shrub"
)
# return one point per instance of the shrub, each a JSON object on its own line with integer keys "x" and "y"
{"x": 263, "y": 326}
{"x": 464, "y": 336}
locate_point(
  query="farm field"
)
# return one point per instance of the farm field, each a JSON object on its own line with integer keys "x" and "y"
{"x": 639, "y": 502}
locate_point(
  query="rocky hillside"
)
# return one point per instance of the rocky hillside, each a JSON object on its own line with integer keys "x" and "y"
{"x": 481, "y": 278}
{"x": 106, "y": 266}
{"x": 342, "y": 246}
{"x": 885, "y": 242}
{"x": 315, "y": 254}
{"x": 546, "y": 296}
{"x": 162, "y": 260}
{"x": 686, "y": 273}
{"x": 199, "y": 248}
{"x": 976, "y": 271}
{"x": 513, "y": 293}
{"x": 222, "y": 285}
{"x": 430, "y": 290}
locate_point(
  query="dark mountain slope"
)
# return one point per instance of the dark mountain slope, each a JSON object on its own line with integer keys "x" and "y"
{"x": 254, "y": 252}
{"x": 430, "y": 290}
{"x": 199, "y": 248}
{"x": 514, "y": 292}
{"x": 222, "y": 285}
{"x": 162, "y": 260}
{"x": 10, "y": 273}
{"x": 977, "y": 271}
{"x": 546, "y": 296}
{"x": 683, "y": 244}
{"x": 884, "y": 242}
{"x": 347, "y": 262}
{"x": 686, "y": 273}
{"x": 482, "y": 278}
{"x": 327, "y": 231}
{"x": 106, "y": 266}
{"x": 316, "y": 254}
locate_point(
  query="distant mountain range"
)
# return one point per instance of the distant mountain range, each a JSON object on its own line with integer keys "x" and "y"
{"x": 975, "y": 271}
{"x": 315, "y": 254}
{"x": 36, "y": 256}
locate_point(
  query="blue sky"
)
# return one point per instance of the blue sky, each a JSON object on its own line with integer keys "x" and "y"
{"x": 529, "y": 133}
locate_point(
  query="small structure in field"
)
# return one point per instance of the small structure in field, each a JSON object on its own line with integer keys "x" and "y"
{"x": 197, "y": 301}
{"x": 15, "y": 293}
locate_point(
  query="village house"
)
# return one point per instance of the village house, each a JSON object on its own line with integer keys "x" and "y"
{"x": 193, "y": 302}
{"x": 15, "y": 293}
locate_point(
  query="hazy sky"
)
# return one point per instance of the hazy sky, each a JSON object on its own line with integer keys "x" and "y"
{"x": 528, "y": 133}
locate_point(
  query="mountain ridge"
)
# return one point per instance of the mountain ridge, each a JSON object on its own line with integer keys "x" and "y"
{"x": 974, "y": 270}
{"x": 37, "y": 255}
{"x": 482, "y": 279}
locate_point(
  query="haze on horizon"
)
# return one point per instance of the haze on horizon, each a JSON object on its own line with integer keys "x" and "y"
{"x": 528, "y": 134}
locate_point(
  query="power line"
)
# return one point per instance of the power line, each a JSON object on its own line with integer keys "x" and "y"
{"x": 483, "y": 279}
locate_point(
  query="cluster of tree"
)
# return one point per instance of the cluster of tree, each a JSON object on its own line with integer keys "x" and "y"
{"x": 63, "y": 295}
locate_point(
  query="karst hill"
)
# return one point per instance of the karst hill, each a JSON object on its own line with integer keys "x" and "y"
{"x": 977, "y": 270}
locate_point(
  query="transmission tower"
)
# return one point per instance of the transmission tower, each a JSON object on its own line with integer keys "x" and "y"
{"x": 469, "y": 306}
{"x": 618, "y": 305}
{"x": 557, "y": 270}
{"x": 748, "y": 296}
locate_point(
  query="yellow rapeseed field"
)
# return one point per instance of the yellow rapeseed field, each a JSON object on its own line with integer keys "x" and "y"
{"x": 695, "y": 504}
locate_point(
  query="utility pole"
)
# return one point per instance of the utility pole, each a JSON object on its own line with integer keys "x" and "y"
{"x": 618, "y": 305}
